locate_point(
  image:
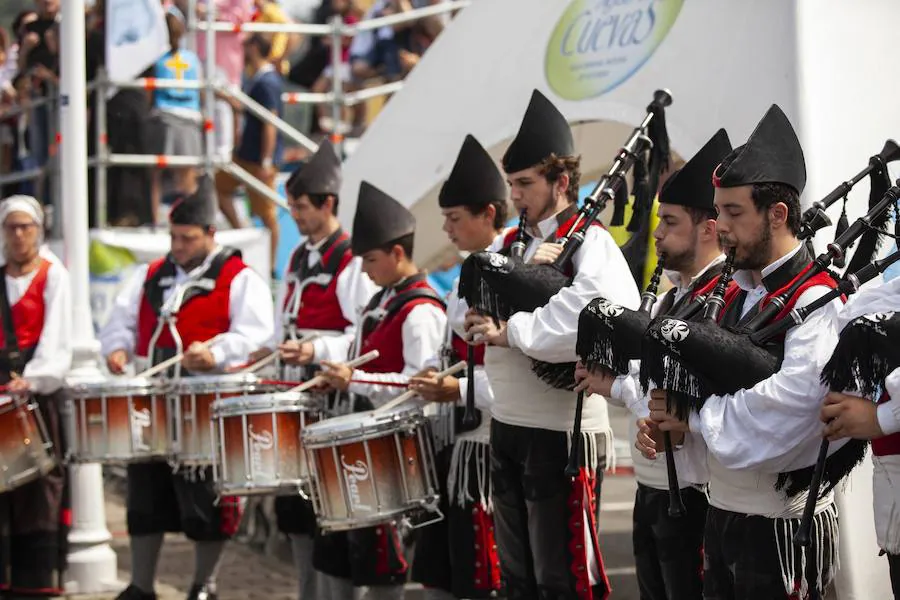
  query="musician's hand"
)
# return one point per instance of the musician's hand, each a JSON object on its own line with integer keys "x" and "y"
{"x": 258, "y": 355}
{"x": 18, "y": 385}
{"x": 546, "y": 253}
{"x": 598, "y": 381}
{"x": 850, "y": 417}
{"x": 295, "y": 353}
{"x": 198, "y": 357}
{"x": 649, "y": 438}
{"x": 116, "y": 361}
{"x": 482, "y": 329}
{"x": 337, "y": 375}
{"x": 435, "y": 389}
{"x": 660, "y": 415}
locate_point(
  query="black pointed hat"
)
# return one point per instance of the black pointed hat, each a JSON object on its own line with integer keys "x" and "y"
{"x": 772, "y": 154}
{"x": 475, "y": 179}
{"x": 544, "y": 131}
{"x": 379, "y": 220}
{"x": 198, "y": 208}
{"x": 321, "y": 174}
{"x": 691, "y": 185}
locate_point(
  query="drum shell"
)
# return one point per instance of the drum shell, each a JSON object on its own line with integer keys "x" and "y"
{"x": 257, "y": 442}
{"x": 25, "y": 447}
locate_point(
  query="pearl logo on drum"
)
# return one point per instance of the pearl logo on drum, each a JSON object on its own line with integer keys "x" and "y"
{"x": 353, "y": 475}
{"x": 261, "y": 441}
{"x": 140, "y": 420}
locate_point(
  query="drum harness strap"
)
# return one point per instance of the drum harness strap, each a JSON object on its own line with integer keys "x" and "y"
{"x": 199, "y": 285}
{"x": 12, "y": 355}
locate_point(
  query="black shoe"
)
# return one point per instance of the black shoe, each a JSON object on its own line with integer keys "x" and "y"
{"x": 132, "y": 592}
{"x": 199, "y": 592}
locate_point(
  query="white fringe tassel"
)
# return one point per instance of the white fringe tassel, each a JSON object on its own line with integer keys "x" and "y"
{"x": 589, "y": 445}
{"x": 458, "y": 480}
{"x": 793, "y": 566}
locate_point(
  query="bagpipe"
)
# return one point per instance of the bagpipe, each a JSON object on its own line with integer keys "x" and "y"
{"x": 608, "y": 336}
{"x": 694, "y": 360}
{"x": 867, "y": 351}
{"x": 499, "y": 284}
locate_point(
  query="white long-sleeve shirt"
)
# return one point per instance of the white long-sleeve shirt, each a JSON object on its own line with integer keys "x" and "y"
{"x": 549, "y": 334}
{"x": 354, "y": 289}
{"x": 52, "y": 358}
{"x": 774, "y": 426}
{"x": 422, "y": 333}
{"x": 690, "y": 460}
{"x": 250, "y": 314}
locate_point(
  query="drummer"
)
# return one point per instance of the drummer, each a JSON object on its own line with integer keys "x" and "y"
{"x": 405, "y": 322}
{"x": 454, "y": 558}
{"x": 324, "y": 291}
{"x": 219, "y": 294}
{"x": 35, "y": 356}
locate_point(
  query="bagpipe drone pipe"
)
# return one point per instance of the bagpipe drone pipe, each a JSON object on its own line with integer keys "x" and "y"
{"x": 500, "y": 284}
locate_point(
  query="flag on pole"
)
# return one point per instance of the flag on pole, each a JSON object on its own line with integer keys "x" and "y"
{"x": 136, "y": 36}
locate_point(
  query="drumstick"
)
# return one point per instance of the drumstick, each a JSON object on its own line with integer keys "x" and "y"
{"x": 171, "y": 361}
{"x": 318, "y": 379}
{"x": 412, "y": 393}
{"x": 264, "y": 361}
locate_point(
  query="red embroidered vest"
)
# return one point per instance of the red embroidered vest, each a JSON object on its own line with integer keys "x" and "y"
{"x": 28, "y": 312}
{"x": 201, "y": 317}
{"x": 461, "y": 348}
{"x": 510, "y": 236}
{"x": 319, "y": 304}
{"x": 387, "y": 335}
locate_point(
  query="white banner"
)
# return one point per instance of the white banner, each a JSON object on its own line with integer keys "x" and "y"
{"x": 136, "y": 36}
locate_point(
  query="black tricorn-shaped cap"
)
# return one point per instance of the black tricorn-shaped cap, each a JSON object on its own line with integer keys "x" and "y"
{"x": 320, "y": 175}
{"x": 772, "y": 154}
{"x": 691, "y": 185}
{"x": 379, "y": 220}
{"x": 475, "y": 179}
{"x": 544, "y": 131}
{"x": 198, "y": 208}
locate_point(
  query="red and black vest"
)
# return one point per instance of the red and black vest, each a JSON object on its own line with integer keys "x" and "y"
{"x": 385, "y": 334}
{"x": 319, "y": 307}
{"x": 205, "y": 309}
{"x": 888, "y": 445}
{"x": 23, "y": 322}
{"x": 565, "y": 218}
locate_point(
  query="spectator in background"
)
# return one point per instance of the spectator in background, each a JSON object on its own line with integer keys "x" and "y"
{"x": 175, "y": 119}
{"x": 5, "y": 74}
{"x": 282, "y": 43}
{"x": 325, "y": 82}
{"x": 20, "y": 139}
{"x": 259, "y": 151}
{"x": 34, "y": 49}
{"x": 17, "y": 34}
{"x": 229, "y": 59}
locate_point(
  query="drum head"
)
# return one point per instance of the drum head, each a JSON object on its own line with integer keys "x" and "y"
{"x": 204, "y": 384}
{"x": 274, "y": 402}
{"x": 360, "y": 425}
{"x": 118, "y": 386}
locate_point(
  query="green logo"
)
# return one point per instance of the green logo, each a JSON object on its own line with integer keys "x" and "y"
{"x": 598, "y": 44}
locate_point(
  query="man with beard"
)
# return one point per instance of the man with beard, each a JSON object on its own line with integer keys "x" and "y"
{"x": 546, "y": 521}
{"x": 200, "y": 290}
{"x": 455, "y": 558}
{"x": 668, "y": 551}
{"x": 754, "y": 434}
{"x": 323, "y": 292}
{"x": 36, "y": 355}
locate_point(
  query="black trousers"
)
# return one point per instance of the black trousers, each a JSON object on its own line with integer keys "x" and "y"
{"x": 35, "y": 520}
{"x": 295, "y": 514}
{"x": 894, "y": 565}
{"x": 539, "y": 515}
{"x": 742, "y": 558}
{"x": 668, "y": 551}
{"x": 160, "y": 501}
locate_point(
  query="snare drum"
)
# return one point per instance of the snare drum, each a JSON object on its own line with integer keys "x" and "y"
{"x": 257, "y": 442}
{"x": 120, "y": 420}
{"x": 371, "y": 467}
{"x": 193, "y": 397}
{"x": 25, "y": 446}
